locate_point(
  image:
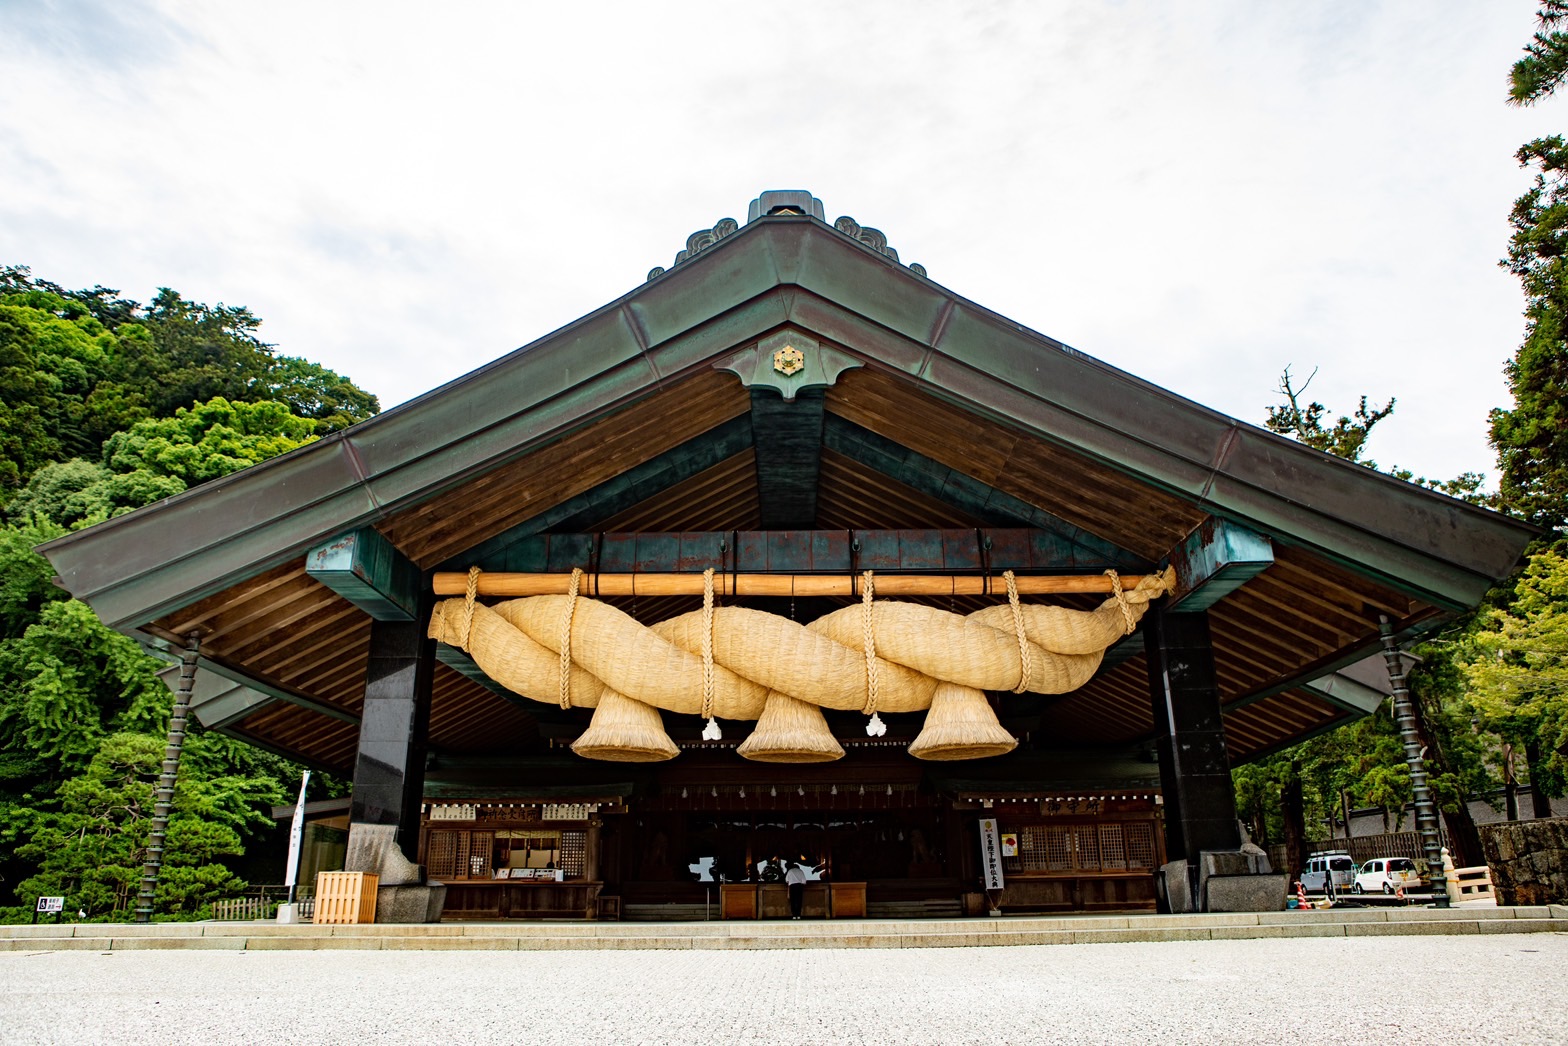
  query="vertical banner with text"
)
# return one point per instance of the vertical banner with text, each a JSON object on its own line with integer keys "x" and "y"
{"x": 990, "y": 854}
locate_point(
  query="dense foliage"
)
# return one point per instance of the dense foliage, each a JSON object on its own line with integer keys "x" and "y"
{"x": 1540, "y": 72}
{"x": 1517, "y": 667}
{"x": 1531, "y": 448}
{"x": 107, "y": 405}
{"x": 76, "y": 367}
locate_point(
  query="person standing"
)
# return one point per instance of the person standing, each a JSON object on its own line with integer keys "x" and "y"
{"x": 795, "y": 879}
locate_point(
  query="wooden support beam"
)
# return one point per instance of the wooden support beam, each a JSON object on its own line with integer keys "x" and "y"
{"x": 364, "y": 568}
{"x": 1216, "y": 559}
{"x": 220, "y": 677}
{"x": 802, "y": 585}
{"x": 788, "y": 435}
{"x": 931, "y": 551}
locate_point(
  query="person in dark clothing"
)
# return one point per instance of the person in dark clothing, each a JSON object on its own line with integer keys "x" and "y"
{"x": 795, "y": 879}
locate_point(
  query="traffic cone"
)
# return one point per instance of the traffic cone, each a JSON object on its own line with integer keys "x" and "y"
{"x": 1301, "y": 896}
{"x": 1399, "y": 892}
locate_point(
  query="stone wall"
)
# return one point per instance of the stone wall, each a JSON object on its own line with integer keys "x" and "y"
{"x": 1528, "y": 860}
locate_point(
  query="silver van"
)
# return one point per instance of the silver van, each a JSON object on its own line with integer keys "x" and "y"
{"x": 1320, "y": 867}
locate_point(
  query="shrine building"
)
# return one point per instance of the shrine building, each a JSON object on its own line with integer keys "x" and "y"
{"x": 788, "y": 555}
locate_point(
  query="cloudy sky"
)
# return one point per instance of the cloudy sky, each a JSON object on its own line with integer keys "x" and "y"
{"x": 1202, "y": 193}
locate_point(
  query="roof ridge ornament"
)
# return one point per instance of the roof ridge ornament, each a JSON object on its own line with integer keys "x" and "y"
{"x": 876, "y": 239}
{"x": 783, "y": 203}
{"x": 700, "y": 240}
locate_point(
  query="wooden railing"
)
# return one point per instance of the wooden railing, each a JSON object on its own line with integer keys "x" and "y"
{"x": 245, "y": 908}
{"x": 1471, "y": 884}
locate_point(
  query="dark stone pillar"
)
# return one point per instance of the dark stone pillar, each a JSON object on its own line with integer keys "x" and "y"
{"x": 389, "y": 771}
{"x": 1200, "y": 803}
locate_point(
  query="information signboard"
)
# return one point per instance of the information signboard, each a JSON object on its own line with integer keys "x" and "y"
{"x": 990, "y": 854}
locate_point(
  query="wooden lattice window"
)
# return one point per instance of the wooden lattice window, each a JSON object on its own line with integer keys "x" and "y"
{"x": 1045, "y": 849}
{"x": 1140, "y": 845}
{"x": 1106, "y": 846}
{"x": 459, "y": 855}
{"x": 574, "y": 854}
{"x": 481, "y": 855}
{"x": 446, "y": 855}
{"x": 1113, "y": 848}
{"x": 1086, "y": 843}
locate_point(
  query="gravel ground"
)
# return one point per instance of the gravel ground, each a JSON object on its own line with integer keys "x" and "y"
{"x": 1388, "y": 990}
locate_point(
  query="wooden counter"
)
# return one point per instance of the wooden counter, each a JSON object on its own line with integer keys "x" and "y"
{"x": 520, "y": 899}
{"x": 771, "y": 901}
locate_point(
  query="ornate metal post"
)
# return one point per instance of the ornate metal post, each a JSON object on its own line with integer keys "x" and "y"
{"x": 171, "y": 769}
{"x": 1405, "y": 719}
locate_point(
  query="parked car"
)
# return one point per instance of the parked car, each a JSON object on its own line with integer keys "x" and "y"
{"x": 1387, "y": 874}
{"x": 1321, "y": 866}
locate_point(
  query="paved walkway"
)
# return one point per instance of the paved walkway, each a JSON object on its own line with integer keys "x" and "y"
{"x": 1503, "y": 988}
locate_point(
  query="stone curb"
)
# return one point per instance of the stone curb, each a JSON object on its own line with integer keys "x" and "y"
{"x": 749, "y": 936}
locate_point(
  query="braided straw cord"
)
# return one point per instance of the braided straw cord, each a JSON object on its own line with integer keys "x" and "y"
{"x": 1121, "y": 601}
{"x": 1025, "y": 659}
{"x": 707, "y": 644}
{"x": 869, "y": 630}
{"x": 468, "y": 606}
{"x": 566, "y": 638}
{"x": 518, "y": 643}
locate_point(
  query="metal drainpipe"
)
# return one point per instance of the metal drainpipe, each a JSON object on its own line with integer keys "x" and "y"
{"x": 171, "y": 769}
{"x": 1405, "y": 718}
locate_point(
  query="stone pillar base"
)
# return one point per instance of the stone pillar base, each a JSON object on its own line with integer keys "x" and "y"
{"x": 403, "y": 895}
{"x": 1240, "y": 882}
{"x": 1223, "y": 881}
{"x": 407, "y": 903}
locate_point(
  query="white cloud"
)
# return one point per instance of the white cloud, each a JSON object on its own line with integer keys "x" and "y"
{"x": 1199, "y": 193}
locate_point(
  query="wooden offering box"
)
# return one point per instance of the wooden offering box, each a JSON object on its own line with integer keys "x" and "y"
{"x": 344, "y": 898}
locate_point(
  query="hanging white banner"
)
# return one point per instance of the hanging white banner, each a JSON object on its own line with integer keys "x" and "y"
{"x": 296, "y": 837}
{"x": 990, "y": 854}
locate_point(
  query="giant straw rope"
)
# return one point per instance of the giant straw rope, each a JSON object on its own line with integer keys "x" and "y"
{"x": 735, "y": 663}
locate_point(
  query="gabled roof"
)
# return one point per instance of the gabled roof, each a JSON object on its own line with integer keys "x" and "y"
{"x": 652, "y": 413}
{"x": 776, "y": 271}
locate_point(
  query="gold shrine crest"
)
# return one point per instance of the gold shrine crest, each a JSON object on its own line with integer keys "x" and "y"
{"x": 789, "y": 360}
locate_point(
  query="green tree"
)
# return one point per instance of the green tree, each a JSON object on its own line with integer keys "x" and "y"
{"x": 105, "y": 406}
{"x": 310, "y": 390}
{"x": 1540, "y": 72}
{"x": 207, "y": 440}
{"x": 89, "y": 842}
{"x": 1529, "y": 437}
{"x": 1518, "y": 669}
{"x": 157, "y": 458}
{"x": 1345, "y": 438}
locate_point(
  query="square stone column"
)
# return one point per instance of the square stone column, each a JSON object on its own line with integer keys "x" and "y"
{"x": 389, "y": 769}
{"x": 1200, "y": 803}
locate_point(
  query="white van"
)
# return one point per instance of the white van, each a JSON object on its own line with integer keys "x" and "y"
{"x": 1388, "y": 874}
{"x": 1321, "y": 866}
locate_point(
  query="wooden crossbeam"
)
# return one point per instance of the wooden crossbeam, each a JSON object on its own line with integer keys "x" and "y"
{"x": 513, "y": 584}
